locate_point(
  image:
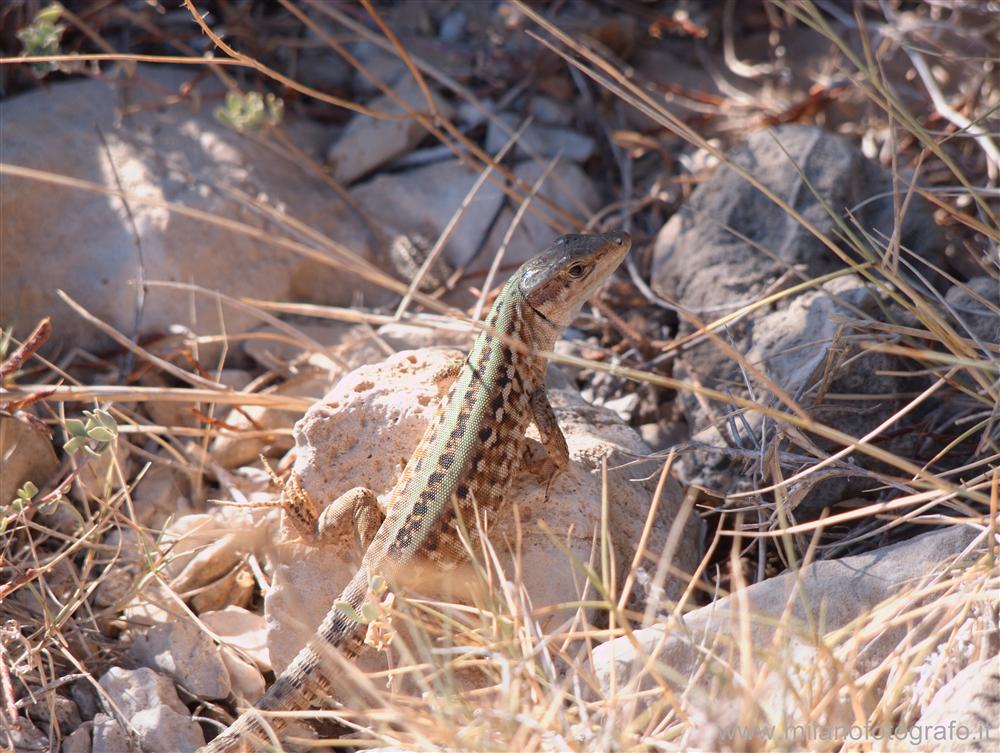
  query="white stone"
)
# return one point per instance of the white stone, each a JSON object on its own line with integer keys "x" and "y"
{"x": 185, "y": 653}
{"x": 242, "y": 630}
{"x": 368, "y": 142}
{"x": 163, "y": 730}
{"x": 132, "y": 690}
{"x": 78, "y": 741}
{"x": 422, "y": 202}
{"x": 108, "y": 736}
{"x": 539, "y": 140}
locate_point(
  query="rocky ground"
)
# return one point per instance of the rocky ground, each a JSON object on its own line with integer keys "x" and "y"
{"x": 782, "y": 413}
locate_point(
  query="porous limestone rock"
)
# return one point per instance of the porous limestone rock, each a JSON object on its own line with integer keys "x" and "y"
{"x": 363, "y": 432}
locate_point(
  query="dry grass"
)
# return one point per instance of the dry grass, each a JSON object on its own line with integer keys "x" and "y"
{"x": 499, "y": 677}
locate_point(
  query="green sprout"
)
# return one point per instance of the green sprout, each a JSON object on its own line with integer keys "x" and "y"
{"x": 94, "y": 436}
{"x": 249, "y": 112}
{"x": 41, "y": 37}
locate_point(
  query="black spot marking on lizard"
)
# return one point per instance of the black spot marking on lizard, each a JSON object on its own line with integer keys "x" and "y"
{"x": 484, "y": 433}
{"x": 404, "y": 537}
{"x": 462, "y": 491}
{"x": 497, "y": 403}
{"x": 431, "y": 542}
{"x": 420, "y": 508}
{"x": 503, "y": 378}
{"x": 446, "y": 460}
{"x": 435, "y": 478}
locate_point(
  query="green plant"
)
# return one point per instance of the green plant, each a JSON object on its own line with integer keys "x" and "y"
{"x": 41, "y": 37}
{"x": 93, "y": 436}
{"x": 250, "y": 111}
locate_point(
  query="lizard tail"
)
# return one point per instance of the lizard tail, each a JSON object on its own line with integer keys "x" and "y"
{"x": 299, "y": 684}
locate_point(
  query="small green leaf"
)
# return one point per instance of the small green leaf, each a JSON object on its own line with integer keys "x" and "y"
{"x": 74, "y": 444}
{"x": 350, "y": 612}
{"x": 100, "y": 434}
{"x": 49, "y": 14}
{"x": 75, "y": 427}
{"x": 106, "y": 420}
{"x": 369, "y": 612}
{"x": 27, "y": 491}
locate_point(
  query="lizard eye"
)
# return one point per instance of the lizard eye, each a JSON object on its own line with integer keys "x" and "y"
{"x": 577, "y": 271}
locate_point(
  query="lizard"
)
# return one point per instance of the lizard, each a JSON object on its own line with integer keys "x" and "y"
{"x": 463, "y": 465}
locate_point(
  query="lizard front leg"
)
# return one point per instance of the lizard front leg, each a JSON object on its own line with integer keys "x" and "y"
{"x": 358, "y": 505}
{"x": 556, "y": 452}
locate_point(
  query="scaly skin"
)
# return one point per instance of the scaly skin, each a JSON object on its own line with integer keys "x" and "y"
{"x": 465, "y": 461}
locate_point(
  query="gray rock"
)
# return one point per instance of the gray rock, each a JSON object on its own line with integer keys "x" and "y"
{"x": 368, "y": 142}
{"x": 549, "y": 111}
{"x": 135, "y": 689}
{"x": 698, "y": 262}
{"x": 109, "y": 737}
{"x": 803, "y": 347}
{"x": 539, "y": 140}
{"x": 422, "y": 201}
{"x": 67, "y": 715}
{"x": 162, "y": 730}
{"x": 453, "y": 25}
{"x": 179, "y": 154}
{"x": 185, "y": 653}
{"x": 25, "y": 737}
{"x": 977, "y": 318}
{"x": 78, "y": 741}
{"x": 804, "y": 343}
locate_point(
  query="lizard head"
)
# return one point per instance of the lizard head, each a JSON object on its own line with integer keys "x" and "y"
{"x": 562, "y": 278}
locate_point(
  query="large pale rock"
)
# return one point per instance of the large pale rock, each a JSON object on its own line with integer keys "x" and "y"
{"x": 810, "y": 656}
{"x": 363, "y": 432}
{"x": 178, "y": 154}
{"x": 963, "y": 716}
